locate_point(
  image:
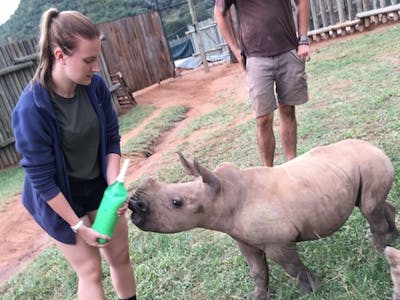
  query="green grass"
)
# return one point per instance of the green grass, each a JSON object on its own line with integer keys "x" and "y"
{"x": 354, "y": 92}
{"x": 11, "y": 184}
{"x": 134, "y": 117}
{"x": 145, "y": 140}
{"x": 223, "y": 116}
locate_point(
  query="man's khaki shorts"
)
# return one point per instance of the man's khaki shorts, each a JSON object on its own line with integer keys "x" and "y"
{"x": 276, "y": 79}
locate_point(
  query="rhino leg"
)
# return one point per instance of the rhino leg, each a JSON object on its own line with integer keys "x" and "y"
{"x": 381, "y": 221}
{"x": 258, "y": 269}
{"x": 286, "y": 256}
{"x": 390, "y": 215}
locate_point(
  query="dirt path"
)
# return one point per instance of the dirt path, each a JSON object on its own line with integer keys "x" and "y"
{"x": 23, "y": 239}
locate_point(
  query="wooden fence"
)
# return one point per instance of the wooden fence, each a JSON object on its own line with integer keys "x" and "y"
{"x": 213, "y": 41}
{"x": 17, "y": 67}
{"x": 331, "y": 18}
{"x": 137, "y": 48}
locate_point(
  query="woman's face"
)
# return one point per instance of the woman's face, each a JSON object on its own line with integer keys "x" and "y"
{"x": 83, "y": 62}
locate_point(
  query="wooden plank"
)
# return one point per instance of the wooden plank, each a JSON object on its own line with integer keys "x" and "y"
{"x": 340, "y": 9}
{"x": 26, "y": 58}
{"x": 359, "y": 6}
{"x": 331, "y": 11}
{"x": 334, "y": 27}
{"x": 374, "y": 12}
{"x": 349, "y": 9}
{"x": 366, "y": 5}
{"x": 314, "y": 16}
{"x": 15, "y": 68}
{"x": 322, "y": 10}
{"x": 7, "y": 142}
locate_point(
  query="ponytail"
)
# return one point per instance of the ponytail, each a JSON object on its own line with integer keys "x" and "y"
{"x": 60, "y": 29}
{"x": 46, "y": 58}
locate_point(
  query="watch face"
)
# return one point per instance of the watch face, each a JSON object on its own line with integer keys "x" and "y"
{"x": 303, "y": 39}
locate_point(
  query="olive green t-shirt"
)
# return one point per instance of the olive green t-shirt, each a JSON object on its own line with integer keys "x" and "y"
{"x": 79, "y": 134}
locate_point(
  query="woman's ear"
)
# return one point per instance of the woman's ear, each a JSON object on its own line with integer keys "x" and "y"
{"x": 59, "y": 55}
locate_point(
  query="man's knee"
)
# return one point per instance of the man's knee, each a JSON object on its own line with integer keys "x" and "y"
{"x": 287, "y": 111}
{"x": 265, "y": 121}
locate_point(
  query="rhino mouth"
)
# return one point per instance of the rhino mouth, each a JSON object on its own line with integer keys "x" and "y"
{"x": 139, "y": 210}
{"x": 137, "y": 219}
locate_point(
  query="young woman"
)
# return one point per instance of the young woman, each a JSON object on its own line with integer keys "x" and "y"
{"x": 67, "y": 133}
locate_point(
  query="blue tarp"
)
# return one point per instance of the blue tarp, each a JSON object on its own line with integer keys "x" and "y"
{"x": 195, "y": 62}
{"x": 188, "y": 63}
{"x": 183, "y": 49}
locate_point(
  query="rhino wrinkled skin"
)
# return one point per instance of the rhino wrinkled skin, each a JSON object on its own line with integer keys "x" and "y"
{"x": 268, "y": 210}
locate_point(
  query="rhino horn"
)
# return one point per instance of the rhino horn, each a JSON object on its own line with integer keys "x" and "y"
{"x": 195, "y": 169}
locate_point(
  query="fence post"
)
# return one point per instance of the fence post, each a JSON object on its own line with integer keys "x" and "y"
{"x": 359, "y": 6}
{"x": 365, "y": 5}
{"x": 340, "y": 8}
{"x": 349, "y": 10}
{"x": 197, "y": 35}
{"x": 322, "y": 9}
{"x": 330, "y": 10}
{"x": 314, "y": 14}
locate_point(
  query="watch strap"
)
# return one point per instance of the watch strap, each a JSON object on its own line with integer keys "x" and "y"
{"x": 76, "y": 227}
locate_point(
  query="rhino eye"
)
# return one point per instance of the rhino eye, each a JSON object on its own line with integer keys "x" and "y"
{"x": 177, "y": 202}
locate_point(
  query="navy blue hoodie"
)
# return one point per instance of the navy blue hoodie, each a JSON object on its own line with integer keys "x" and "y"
{"x": 38, "y": 140}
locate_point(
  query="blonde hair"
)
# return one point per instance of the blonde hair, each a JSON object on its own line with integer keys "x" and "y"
{"x": 60, "y": 29}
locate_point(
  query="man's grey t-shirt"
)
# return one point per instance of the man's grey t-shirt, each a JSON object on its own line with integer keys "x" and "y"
{"x": 267, "y": 26}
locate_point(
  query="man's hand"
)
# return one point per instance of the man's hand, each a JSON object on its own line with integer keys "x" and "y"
{"x": 239, "y": 57}
{"x": 303, "y": 52}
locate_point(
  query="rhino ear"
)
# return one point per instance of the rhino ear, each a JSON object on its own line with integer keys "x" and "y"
{"x": 188, "y": 166}
{"x": 195, "y": 169}
{"x": 208, "y": 176}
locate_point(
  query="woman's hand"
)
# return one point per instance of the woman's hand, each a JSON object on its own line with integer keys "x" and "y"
{"x": 91, "y": 236}
{"x": 122, "y": 210}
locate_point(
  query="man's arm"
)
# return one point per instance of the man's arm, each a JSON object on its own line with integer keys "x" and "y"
{"x": 220, "y": 19}
{"x": 303, "y": 14}
{"x": 303, "y": 50}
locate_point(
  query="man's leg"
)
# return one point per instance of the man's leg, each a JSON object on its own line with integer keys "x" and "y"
{"x": 261, "y": 80}
{"x": 288, "y": 130}
{"x": 266, "y": 138}
{"x": 291, "y": 87}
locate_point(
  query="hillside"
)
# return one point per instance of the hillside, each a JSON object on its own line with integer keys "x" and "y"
{"x": 175, "y": 14}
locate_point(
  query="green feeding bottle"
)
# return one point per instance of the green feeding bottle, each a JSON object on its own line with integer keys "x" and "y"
{"x": 113, "y": 198}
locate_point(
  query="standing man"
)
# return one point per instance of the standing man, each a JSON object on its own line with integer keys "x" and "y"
{"x": 273, "y": 55}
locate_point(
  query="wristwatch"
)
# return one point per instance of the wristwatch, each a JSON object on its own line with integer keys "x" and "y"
{"x": 303, "y": 40}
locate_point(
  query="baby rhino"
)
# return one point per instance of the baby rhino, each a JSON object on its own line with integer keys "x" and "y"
{"x": 267, "y": 210}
